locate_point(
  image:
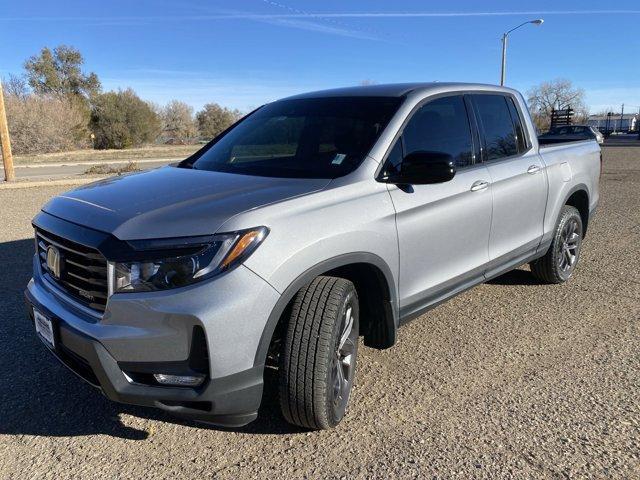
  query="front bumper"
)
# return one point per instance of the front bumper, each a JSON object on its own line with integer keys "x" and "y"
{"x": 153, "y": 332}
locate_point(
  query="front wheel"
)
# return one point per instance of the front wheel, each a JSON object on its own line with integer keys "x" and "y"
{"x": 559, "y": 263}
{"x": 318, "y": 361}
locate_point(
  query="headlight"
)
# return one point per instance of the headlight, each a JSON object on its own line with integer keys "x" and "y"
{"x": 172, "y": 263}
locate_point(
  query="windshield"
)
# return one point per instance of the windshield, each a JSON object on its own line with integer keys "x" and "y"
{"x": 304, "y": 138}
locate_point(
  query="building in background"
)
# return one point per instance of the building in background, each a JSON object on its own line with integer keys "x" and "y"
{"x": 614, "y": 122}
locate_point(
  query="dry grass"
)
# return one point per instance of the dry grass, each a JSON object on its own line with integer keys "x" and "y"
{"x": 112, "y": 169}
{"x": 43, "y": 124}
{"x": 153, "y": 151}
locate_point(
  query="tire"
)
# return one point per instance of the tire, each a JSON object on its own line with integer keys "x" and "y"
{"x": 317, "y": 364}
{"x": 560, "y": 261}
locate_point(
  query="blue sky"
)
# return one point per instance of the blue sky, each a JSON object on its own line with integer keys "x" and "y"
{"x": 243, "y": 53}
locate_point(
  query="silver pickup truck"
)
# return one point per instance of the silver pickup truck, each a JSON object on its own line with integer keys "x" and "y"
{"x": 313, "y": 221}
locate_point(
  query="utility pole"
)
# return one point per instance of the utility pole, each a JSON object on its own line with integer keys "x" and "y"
{"x": 7, "y": 158}
{"x": 621, "y": 116}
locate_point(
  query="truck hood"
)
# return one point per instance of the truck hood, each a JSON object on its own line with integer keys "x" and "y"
{"x": 172, "y": 202}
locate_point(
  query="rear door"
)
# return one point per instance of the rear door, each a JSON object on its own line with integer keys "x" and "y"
{"x": 443, "y": 229}
{"x": 518, "y": 180}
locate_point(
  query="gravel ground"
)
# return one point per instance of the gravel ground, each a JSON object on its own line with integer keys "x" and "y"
{"x": 511, "y": 379}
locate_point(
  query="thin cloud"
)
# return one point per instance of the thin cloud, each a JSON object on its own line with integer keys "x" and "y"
{"x": 299, "y": 22}
{"x": 452, "y": 14}
{"x": 303, "y": 20}
{"x": 310, "y": 15}
{"x": 316, "y": 27}
{"x": 338, "y": 27}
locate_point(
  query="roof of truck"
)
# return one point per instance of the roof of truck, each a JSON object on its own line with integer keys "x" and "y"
{"x": 393, "y": 89}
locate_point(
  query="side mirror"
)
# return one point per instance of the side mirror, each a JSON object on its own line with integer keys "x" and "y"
{"x": 422, "y": 168}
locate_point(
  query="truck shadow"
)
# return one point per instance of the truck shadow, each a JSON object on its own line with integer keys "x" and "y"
{"x": 39, "y": 396}
{"x": 515, "y": 277}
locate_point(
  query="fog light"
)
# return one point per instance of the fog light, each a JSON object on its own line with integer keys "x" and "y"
{"x": 179, "y": 380}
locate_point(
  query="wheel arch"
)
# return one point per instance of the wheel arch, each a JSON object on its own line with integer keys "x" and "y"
{"x": 578, "y": 197}
{"x": 372, "y": 277}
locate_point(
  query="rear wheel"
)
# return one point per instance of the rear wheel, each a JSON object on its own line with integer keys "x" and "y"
{"x": 318, "y": 361}
{"x": 559, "y": 263}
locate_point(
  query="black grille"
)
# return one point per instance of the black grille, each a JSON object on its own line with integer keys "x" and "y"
{"x": 83, "y": 270}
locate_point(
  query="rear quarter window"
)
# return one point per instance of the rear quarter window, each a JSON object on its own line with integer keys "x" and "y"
{"x": 495, "y": 121}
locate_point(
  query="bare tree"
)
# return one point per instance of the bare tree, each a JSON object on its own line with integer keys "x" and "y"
{"x": 558, "y": 94}
{"x": 178, "y": 123}
{"x": 15, "y": 86}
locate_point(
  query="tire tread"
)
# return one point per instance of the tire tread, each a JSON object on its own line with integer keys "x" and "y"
{"x": 308, "y": 345}
{"x": 545, "y": 268}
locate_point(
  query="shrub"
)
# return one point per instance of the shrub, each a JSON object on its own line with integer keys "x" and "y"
{"x": 111, "y": 169}
{"x": 213, "y": 119}
{"x": 122, "y": 120}
{"x": 42, "y": 124}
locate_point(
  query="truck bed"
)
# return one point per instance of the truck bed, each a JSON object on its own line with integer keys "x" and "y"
{"x": 570, "y": 166}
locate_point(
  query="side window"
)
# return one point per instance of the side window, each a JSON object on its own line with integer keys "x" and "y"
{"x": 499, "y": 134}
{"x": 517, "y": 123}
{"x": 441, "y": 126}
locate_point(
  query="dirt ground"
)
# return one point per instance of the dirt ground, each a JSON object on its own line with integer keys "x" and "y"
{"x": 512, "y": 379}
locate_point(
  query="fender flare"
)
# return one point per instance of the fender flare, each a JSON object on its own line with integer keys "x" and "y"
{"x": 307, "y": 276}
{"x": 574, "y": 189}
{"x": 578, "y": 188}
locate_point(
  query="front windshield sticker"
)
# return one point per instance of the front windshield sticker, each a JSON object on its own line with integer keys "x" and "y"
{"x": 337, "y": 160}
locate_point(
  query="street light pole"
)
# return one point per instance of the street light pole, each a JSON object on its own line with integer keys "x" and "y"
{"x": 504, "y": 58}
{"x": 505, "y": 37}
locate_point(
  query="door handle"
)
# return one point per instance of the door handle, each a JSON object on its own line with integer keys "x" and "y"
{"x": 533, "y": 169}
{"x": 479, "y": 185}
